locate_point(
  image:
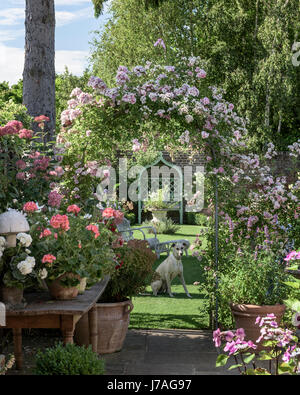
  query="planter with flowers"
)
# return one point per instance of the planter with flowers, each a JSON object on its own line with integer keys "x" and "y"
{"x": 158, "y": 206}
{"x": 17, "y": 265}
{"x": 254, "y": 288}
{"x": 133, "y": 270}
{"x": 69, "y": 249}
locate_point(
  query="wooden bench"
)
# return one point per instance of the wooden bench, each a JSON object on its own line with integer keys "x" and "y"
{"x": 43, "y": 312}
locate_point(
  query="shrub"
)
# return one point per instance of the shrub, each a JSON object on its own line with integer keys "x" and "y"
{"x": 68, "y": 360}
{"x": 134, "y": 269}
{"x": 167, "y": 227}
{"x": 130, "y": 217}
{"x": 200, "y": 219}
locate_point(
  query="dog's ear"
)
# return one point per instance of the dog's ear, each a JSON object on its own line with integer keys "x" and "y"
{"x": 173, "y": 245}
{"x": 184, "y": 244}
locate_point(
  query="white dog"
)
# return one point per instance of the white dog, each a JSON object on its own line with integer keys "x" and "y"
{"x": 170, "y": 268}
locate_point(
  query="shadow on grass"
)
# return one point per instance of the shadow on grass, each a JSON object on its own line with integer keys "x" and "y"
{"x": 168, "y": 321}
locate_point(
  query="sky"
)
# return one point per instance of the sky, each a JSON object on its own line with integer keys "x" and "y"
{"x": 75, "y": 23}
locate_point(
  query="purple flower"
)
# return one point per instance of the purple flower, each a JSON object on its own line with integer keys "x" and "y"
{"x": 160, "y": 43}
{"x": 217, "y": 337}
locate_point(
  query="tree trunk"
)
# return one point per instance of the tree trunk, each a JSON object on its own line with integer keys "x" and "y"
{"x": 39, "y": 67}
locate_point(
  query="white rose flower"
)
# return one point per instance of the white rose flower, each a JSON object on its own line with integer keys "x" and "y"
{"x": 24, "y": 239}
{"x": 27, "y": 251}
{"x": 43, "y": 273}
{"x": 24, "y": 267}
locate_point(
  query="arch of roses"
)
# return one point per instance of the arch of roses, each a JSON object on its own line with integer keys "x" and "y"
{"x": 173, "y": 107}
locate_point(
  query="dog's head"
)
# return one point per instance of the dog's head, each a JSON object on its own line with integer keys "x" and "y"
{"x": 178, "y": 249}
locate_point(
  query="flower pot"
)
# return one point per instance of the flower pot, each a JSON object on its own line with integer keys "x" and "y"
{"x": 59, "y": 291}
{"x": 82, "y": 285}
{"x": 159, "y": 215}
{"x": 12, "y": 296}
{"x": 113, "y": 321}
{"x": 245, "y": 316}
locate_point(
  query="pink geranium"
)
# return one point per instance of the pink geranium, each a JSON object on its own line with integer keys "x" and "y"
{"x": 45, "y": 233}
{"x": 48, "y": 258}
{"x": 30, "y": 207}
{"x": 93, "y": 228}
{"x": 60, "y": 222}
{"x": 73, "y": 209}
{"x": 54, "y": 199}
{"x": 25, "y": 134}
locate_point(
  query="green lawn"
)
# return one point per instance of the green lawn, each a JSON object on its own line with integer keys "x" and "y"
{"x": 180, "y": 312}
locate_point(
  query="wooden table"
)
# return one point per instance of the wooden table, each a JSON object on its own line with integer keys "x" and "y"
{"x": 43, "y": 312}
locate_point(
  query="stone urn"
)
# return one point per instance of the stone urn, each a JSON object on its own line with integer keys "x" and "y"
{"x": 159, "y": 215}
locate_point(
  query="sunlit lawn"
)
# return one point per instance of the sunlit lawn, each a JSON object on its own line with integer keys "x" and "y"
{"x": 180, "y": 312}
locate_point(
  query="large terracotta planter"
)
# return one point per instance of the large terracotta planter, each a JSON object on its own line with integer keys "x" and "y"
{"x": 59, "y": 291}
{"x": 113, "y": 321}
{"x": 12, "y": 296}
{"x": 245, "y": 316}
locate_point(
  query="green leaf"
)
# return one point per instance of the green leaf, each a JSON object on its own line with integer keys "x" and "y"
{"x": 221, "y": 360}
{"x": 235, "y": 366}
{"x": 249, "y": 358}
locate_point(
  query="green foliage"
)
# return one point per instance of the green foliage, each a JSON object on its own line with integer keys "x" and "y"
{"x": 10, "y": 110}
{"x": 133, "y": 271}
{"x": 167, "y": 226}
{"x": 130, "y": 217}
{"x": 68, "y": 360}
{"x": 14, "y": 93}
{"x": 258, "y": 282}
{"x": 196, "y": 219}
{"x": 247, "y": 45}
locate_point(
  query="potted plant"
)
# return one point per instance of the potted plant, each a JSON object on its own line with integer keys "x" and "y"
{"x": 17, "y": 269}
{"x": 133, "y": 270}
{"x": 254, "y": 288}
{"x": 157, "y": 204}
{"x": 69, "y": 248}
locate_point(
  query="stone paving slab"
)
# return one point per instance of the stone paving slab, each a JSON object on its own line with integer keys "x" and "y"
{"x": 165, "y": 352}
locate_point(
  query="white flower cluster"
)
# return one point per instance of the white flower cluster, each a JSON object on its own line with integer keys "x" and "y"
{"x": 24, "y": 239}
{"x": 27, "y": 265}
{"x": 2, "y": 245}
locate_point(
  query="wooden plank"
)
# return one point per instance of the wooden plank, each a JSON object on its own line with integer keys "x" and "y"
{"x": 41, "y": 303}
{"x": 43, "y": 321}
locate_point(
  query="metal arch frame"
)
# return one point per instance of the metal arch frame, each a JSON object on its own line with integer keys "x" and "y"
{"x": 170, "y": 165}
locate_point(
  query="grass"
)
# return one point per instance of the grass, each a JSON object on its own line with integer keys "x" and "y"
{"x": 180, "y": 312}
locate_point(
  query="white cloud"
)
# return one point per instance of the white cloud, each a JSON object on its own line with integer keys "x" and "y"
{"x": 66, "y": 17}
{"x": 8, "y": 35}
{"x": 12, "y": 16}
{"x": 12, "y": 62}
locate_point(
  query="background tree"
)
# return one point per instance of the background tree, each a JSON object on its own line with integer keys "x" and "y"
{"x": 247, "y": 46}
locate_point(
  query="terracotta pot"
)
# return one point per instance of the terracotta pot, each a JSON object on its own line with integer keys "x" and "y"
{"x": 11, "y": 295}
{"x": 113, "y": 321}
{"x": 245, "y": 316}
{"x": 59, "y": 291}
{"x": 82, "y": 285}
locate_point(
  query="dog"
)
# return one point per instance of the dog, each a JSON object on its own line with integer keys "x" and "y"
{"x": 170, "y": 268}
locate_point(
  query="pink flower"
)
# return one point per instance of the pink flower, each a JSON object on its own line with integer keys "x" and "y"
{"x": 17, "y": 125}
{"x": 21, "y": 164}
{"x": 93, "y": 228}
{"x": 108, "y": 213}
{"x": 30, "y": 207}
{"x": 41, "y": 118}
{"x": 54, "y": 199}
{"x": 217, "y": 337}
{"x": 20, "y": 176}
{"x": 45, "y": 233}
{"x": 25, "y": 134}
{"x": 204, "y": 135}
{"x": 201, "y": 74}
{"x": 48, "y": 258}
{"x": 73, "y": 209}
{"x": 60, "y": 222}
{"x": 119, "y": 216}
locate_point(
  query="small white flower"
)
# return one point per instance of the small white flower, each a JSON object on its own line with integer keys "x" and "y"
{"x": 30, "y": 260}
{"x": 27, "y": 251}
{"x": 24, "y": 239}
{"x": 43, "y": 273}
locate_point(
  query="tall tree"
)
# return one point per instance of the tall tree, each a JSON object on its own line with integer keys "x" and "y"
{"x": 39, "y": 66}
